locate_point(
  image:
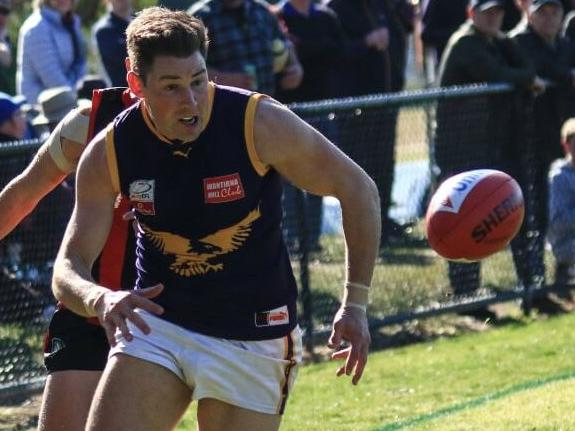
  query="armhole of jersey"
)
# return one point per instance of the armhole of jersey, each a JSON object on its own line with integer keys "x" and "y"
{"x": 111, "y": 158}
{"x": 260, "y": 167}
{"x": 211, "y": 95}
{"x": 96, "y": 101}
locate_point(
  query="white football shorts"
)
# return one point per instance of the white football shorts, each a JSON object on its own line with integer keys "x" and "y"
{"x": 255, "y": 375}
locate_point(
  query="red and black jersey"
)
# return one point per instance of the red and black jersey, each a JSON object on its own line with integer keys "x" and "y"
{"x": 72, "y": 341}
{"x": 115, "y": 267}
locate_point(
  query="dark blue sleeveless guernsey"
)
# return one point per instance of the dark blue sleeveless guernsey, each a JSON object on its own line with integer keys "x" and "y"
{"x": 209, "y": 215}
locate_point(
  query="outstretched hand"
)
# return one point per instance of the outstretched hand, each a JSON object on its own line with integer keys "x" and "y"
{"x": 114, "y": 307}
{"x": 350, "y": 325}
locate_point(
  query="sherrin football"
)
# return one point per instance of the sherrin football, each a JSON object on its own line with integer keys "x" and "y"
{"x": 474, "y": 214}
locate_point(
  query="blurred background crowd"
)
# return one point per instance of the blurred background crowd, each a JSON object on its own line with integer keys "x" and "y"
{"x": 55, "y": 52}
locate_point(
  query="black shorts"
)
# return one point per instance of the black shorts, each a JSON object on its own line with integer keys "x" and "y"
{"x": 73, "y": 343}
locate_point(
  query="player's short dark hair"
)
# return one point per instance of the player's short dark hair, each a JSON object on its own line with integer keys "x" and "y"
{"x": 158, "y": 31}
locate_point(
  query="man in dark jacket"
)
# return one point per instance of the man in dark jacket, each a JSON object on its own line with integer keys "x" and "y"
{"x": 377, "y": 31}
{"x": 109, "y": 34}
{"x": 477, "y": 132}
{"x": 321, "y": 46}
{"x": 441, "y": 18}
{"x": 554, "y": 60}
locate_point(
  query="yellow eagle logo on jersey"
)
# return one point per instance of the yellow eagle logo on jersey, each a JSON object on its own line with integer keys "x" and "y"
{"x": 194, "y": 257}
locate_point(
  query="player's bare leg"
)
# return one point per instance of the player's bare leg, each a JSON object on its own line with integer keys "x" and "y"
{"x": 215, "y": 415}
{"x": 66, "y": 400}
{"x": 162, "y": 398}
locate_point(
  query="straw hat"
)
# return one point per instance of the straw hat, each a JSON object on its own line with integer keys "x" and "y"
{"x": 55, "y": 103}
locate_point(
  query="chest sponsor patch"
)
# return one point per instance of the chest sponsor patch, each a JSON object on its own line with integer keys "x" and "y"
{"x": 277, "y": 316}
{"x": 142, "y": 196}
{"x": 226, "y": 188}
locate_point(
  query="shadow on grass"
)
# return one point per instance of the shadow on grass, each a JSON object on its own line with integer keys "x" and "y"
{"x": 405, "y": 258}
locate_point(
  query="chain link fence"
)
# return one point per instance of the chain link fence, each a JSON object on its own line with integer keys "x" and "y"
{"x": 407, "y": 142}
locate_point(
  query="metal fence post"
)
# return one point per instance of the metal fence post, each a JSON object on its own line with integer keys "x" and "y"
{"x": 306, "y": 297}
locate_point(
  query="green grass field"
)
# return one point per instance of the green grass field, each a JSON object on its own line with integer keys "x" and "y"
{"x": 516, "y": 377}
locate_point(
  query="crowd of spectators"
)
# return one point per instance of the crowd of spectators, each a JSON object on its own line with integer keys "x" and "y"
{"x": 474, "y": 133}
{"x": 306, "y": 50}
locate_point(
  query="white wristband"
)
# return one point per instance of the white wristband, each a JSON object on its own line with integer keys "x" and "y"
{"x": 356, "y": 285}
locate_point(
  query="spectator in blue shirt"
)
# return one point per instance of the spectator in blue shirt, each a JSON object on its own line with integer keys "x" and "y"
{"x": 51, "y": 49}
{"x": 109, "y": 37}
{"x": 561, "y": 232}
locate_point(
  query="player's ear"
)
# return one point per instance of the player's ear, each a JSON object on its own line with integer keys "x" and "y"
{"x": 135, "y": 83}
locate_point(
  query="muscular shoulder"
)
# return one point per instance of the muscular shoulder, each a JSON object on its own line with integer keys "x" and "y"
{"x": 278, "y": 132}
{"x": 269, "y": 112}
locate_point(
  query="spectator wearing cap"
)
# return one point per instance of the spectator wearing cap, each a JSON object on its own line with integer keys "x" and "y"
{"x": 12, "y": 120}
{"x": 109, "y": 41}
{"x": 7, "y": 63}
{"x": 480, "y": 132}
{"x": 54, "y": 104}
{"x": 553, "y": 58}
{"x": 51, "y": 49}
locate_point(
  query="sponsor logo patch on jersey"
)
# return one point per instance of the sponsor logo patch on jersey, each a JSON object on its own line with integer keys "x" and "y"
{"x": 142, "y": 196}
{"x": 277, "y": 316}
{"x": 227, "y": 188}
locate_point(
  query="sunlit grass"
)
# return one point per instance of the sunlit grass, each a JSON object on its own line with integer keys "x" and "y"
{"x": 522, "y": 367}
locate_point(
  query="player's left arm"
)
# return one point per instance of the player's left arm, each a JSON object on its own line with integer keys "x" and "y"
{"x": 310, "y": 161}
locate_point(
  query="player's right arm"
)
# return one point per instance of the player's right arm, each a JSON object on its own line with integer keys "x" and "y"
{"x": 55, "y": 159}
{"x": 83, "y": 241}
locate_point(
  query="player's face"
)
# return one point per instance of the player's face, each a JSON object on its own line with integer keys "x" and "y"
{"x": 546, "y": 21}
{"x": 488, "y": 21}
{"x": 176, "y": 95}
